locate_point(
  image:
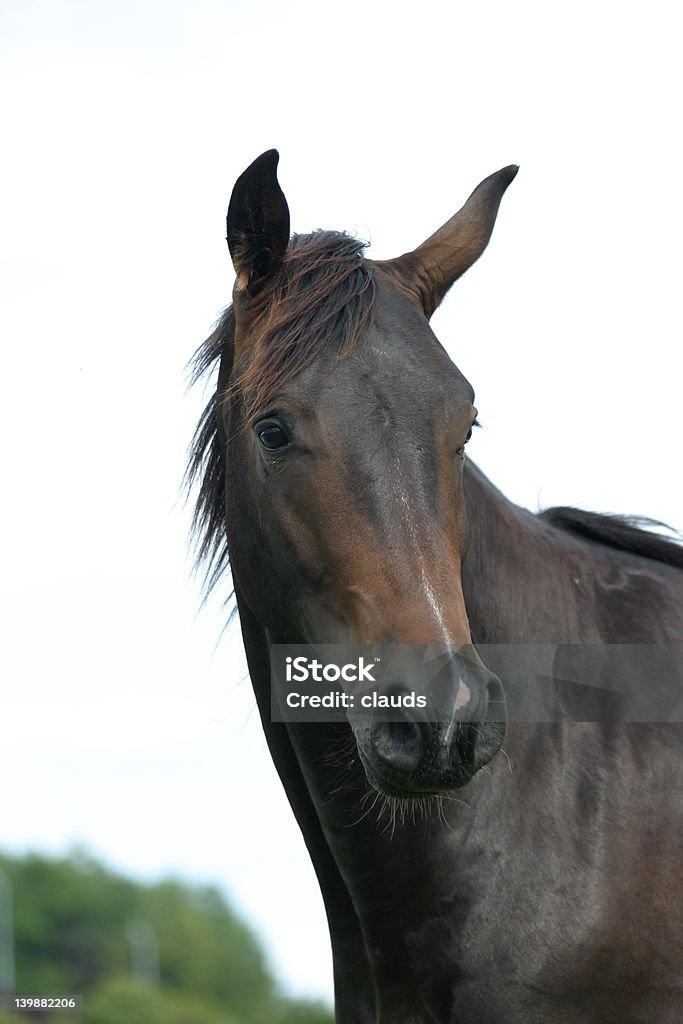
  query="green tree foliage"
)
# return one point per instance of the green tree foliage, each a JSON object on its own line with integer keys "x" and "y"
{"x": 72, "y": 923}
{"x": 68, "y": 922}
{"x": 121, "y": 1001}
{"x": 203, "y": 947}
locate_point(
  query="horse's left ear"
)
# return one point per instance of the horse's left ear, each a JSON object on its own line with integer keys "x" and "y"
{"x": 429, "y": 271}
{"x": 258, "y": 223}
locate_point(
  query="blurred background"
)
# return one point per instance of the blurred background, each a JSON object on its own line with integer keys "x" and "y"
{"x": 147, "y": 854}
{"x": 165, "y": 953}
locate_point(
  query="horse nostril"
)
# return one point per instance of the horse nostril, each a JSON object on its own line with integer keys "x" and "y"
{"x": 465, "y": 743}
{"x": 398, "y": 744}
{"x": 406, "y": 734}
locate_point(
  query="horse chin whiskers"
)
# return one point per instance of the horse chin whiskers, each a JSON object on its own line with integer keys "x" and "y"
{"x": 342, "y": 753}
{"x": 410, "y": 811}
{"x": 371, "y": 794}
{"x": 507, "y": 758}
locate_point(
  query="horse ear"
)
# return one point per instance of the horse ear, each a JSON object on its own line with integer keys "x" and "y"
{"x": 429, "y": 271}
{"x": 258, "y": 223}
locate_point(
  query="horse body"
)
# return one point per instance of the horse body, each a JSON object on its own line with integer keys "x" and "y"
{"x": 548, "y": 889}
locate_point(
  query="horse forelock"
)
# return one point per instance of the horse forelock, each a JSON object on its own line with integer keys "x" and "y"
{"x": 319, "y": 302}
{"x": 322, "y": 299}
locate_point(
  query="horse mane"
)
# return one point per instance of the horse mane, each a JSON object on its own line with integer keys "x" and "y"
{"x": 322, "y": 298}
{"x": 632, "y": 534}
{"x": 205, "y": 465}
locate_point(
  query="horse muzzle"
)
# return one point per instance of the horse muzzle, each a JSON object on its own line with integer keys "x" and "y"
{"x": 436, "y": 741}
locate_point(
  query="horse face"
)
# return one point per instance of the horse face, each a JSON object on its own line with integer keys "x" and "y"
{"x": 353, "y": 472}
{"x": 345, "y": 509}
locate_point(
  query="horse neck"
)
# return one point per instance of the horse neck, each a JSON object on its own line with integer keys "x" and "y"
{"x": 524, "y": 581}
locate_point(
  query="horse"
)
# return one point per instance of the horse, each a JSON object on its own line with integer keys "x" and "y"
{"x": 475, "y": 865}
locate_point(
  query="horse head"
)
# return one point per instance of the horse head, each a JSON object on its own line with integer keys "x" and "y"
{"x": 344, "y": 424}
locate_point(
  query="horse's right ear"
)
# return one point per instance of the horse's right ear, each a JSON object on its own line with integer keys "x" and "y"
{"x": 258, "y": 224}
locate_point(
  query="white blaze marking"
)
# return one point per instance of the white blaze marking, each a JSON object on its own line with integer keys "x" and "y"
{"x": 425, "y": 584}
{"x": 463, "y": 693}
{"x": 436, "y": 609}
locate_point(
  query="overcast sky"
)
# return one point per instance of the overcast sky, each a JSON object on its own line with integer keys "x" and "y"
{"x": 123, "y": 128}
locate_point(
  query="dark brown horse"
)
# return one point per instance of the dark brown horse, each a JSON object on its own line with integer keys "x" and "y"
{"x": 334, "y": 482}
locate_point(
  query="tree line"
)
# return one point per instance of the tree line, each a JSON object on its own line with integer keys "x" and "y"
{"x": 164, "y": 953}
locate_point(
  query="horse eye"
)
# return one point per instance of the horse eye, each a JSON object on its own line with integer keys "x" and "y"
{"x": 461, "y": 449}
{"x": 272, "y": 437}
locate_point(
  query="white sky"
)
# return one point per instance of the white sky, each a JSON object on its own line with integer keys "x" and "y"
{"x": 123, "y": 128}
